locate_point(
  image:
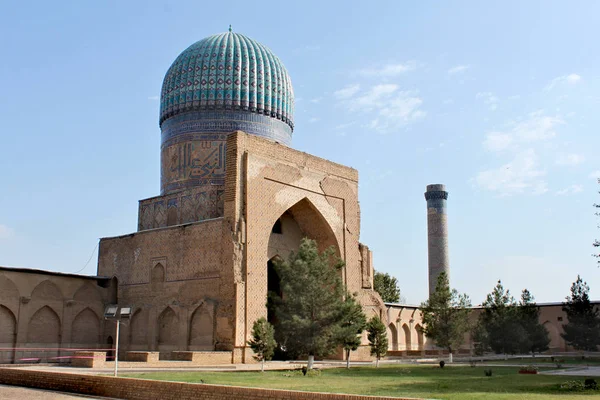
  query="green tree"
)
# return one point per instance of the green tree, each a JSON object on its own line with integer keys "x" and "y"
{"x": 312, "y": 308}
{"x": 499, "y": 326}
{"x": 387, "y": 287}
{"x": 446, "y": 315}
{"x": 582, "y": 331}
{"x": 536, "y": 337}
{"x": 377, "y": 336}
{"x": 353, "y": 324}
{"x": 263, "y": 341}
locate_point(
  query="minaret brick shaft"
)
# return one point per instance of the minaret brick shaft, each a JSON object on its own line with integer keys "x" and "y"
{"x": 437, "y": 233}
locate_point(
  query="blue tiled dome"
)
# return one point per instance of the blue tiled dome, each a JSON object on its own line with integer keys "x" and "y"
{"x": 228, "y": 71}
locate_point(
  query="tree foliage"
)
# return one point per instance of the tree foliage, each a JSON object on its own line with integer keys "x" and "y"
{"x": 312, "y": 307}
{"x": 508, "y": 327}
{"x": 387, "y": 287}
{"x": 446, "y": 315}
{"x": 263, "y": 341}
{"x": 377, "y": 336}
{"x": 536, "y": 339}
{"x": 582, "y": 331}
{"x": 352, "y": 326}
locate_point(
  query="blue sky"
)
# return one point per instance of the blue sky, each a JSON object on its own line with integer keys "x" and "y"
{"x": 498, "y": 100}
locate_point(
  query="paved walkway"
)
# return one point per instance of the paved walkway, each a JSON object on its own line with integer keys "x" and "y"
{"x": 16, "y": 392}
{"x": 575, "y": 371}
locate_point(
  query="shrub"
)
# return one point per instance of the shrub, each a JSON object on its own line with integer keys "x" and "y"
{"x": 442, "y": 363}
{"x": 487, "y": 372}
{"x": 572, "y": 386}
{"x": 590, "y": 384}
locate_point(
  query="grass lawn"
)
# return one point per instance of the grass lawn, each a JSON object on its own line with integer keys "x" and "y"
{"x": 426, "y": 381}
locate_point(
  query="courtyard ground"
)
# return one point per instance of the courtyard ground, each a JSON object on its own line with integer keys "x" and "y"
{"x": 424, "y": 381}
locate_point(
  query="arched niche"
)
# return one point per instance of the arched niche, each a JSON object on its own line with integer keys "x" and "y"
{"x": 168, "y": 328}
{"x": 303, "y": 219}
{"x": 85, "y": 330}
{"x": 420, "y": 337}
{"x": 8, "y": 335}
{"x": 8, "y": 289}
{"x": 114, "y": 290}
{"x": 393, "y": 335}
{"x": 44, "y": 328}
{"x": 138, "y": 328}
{"x": 158, "y": 274}
{"x": 46, "y": 290}
{"x": 87, "y": 293}
{"x": 407, "y": 338}
{"x": 201, "y": 336}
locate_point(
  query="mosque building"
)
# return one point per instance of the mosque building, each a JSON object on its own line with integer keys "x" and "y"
{"x": 234, "y": 195}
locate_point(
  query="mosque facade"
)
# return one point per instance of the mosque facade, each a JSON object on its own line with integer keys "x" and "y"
{"x": 234, "y": 195}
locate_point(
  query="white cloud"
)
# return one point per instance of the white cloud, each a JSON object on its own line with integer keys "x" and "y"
{"x": 313, "y": 120}
{"x": 536, "y": 127}
{"x": 497, "y": 141}
{"x": 316, "y": 100}
{"x": 570, "y": 190}
{"x": 153, "y": 98}
{"x": 458, "y": 69}
{"x": 346, "y": 92}
{"x": 391, "y": 107}
{"x": 570, "y": 159}
{"x": 389, "y": 70}
{"x": 521, "y": 175}
{"x": 5, "y": 232}
{"x": 344, "y": 126}
{"x": 564, "y": 80}
{"x": 595, "y": 175}
{"x": 489, "y": 99}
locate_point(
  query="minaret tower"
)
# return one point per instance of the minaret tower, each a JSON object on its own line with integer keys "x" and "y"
{"x": 437, "y": 233}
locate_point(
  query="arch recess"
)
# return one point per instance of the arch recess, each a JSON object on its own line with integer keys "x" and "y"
{"x": 46, "y": 290}
{"x": 8, "y": 289}
{"x": 8, "y": 335}
{"x": 420, "y": 339}
{"x": 201, "y": 329}
{"x": 393, "y": 342}
{"x": 44, "y": 327}
{"x": 87, "y": 293}
{"x": 85, "y": 330}
{"x": 407, "y": 338}
{"x": 138, "y": 328}
{"x": 168, "y": 328}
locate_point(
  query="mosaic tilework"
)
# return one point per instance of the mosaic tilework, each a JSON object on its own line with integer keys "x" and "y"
{"x": 185, "y": 206}
{"x": 228, "y": 71}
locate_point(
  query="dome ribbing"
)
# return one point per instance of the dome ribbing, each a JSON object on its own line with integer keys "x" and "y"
{"x": 228, "y": 71}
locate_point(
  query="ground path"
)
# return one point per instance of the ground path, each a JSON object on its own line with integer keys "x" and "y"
{"x": 17, "y": 392}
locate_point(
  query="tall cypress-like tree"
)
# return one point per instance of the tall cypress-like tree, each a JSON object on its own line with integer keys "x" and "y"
{"x": 536, "y": 337}
{"x": 582, "y": 331}
{"x": 312, "y": 308}
{"x": 377, "y": 338}
{"x": 353, "y": 324}
{"x": 499, "y": 324}
{"x": 446, "y": 315}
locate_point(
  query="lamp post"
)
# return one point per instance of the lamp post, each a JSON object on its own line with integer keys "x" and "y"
{"x": 116, "y": 313}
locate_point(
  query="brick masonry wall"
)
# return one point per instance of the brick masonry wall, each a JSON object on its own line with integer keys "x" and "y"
{"x": 141, "y": 389}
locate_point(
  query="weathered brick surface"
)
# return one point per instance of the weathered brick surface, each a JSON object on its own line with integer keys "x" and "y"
{"x": 140, "y": 389}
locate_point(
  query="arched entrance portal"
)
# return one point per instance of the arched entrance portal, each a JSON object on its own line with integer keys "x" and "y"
{"x": 299, "y": 221}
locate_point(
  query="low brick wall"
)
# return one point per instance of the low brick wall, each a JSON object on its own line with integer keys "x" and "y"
{"x": 89, "y": 359}
{"x": 141, "y": 389}
{"x": 203, "y": 357}
{"x": 142, "y": 356}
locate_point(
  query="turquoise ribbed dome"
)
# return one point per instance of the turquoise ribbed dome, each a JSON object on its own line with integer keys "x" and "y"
{"x": 228, "y": 71}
